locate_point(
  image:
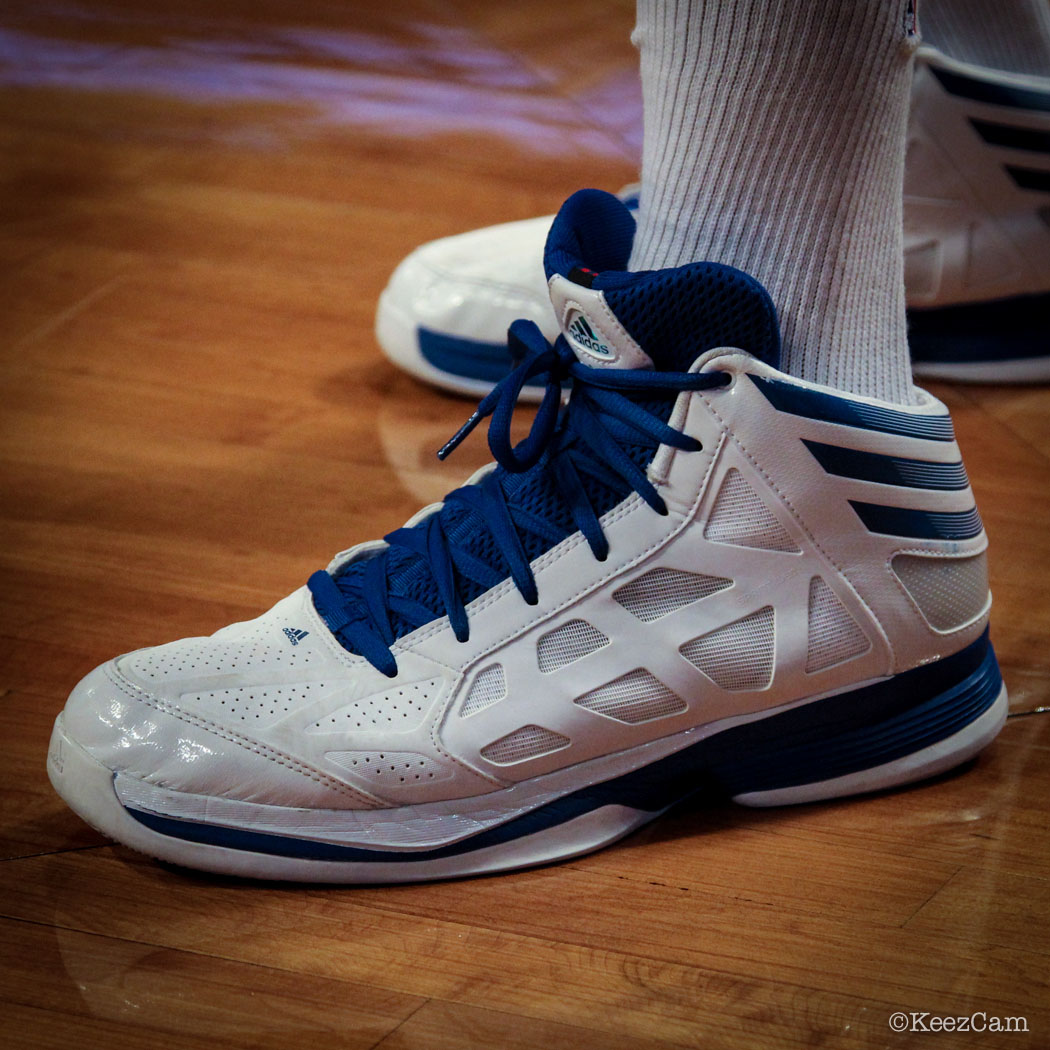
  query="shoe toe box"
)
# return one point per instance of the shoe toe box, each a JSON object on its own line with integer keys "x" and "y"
{"x": 474, "y": 285}
{"x": 219, "y": 716}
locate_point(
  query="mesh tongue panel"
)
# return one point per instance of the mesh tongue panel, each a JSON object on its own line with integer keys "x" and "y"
{"x": 674, "y": 315}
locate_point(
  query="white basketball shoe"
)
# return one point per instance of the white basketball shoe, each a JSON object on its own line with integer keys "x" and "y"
{"x": 701, "y": 574}
{"x": 977, "y": 250}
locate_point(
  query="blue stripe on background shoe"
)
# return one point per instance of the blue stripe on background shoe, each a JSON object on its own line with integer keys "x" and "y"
{"x": 701, "y": 575}
{"x": 444, "y": 315}
{"x": 977, "y": 224}
{"x": 977, "y": 250}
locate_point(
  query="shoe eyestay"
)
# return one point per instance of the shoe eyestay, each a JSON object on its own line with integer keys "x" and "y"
{"x": 584, "y": 438}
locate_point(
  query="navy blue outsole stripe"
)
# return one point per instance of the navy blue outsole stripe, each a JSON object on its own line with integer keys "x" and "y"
{"x": 888, "y": 470}
{"x": 815, "y": 404}
{"x": 466, "y": 358}
{"x": 994, "y": 94}
{"x": 997, "y": 330}
{"x": 858, "y": 737}
{"x": 918, "y": 524}
{"x": 818, "y": 741}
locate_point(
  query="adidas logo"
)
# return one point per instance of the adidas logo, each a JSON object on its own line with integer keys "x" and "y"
{"x": 295, "y": 636}
{"x": 582, "y": 334}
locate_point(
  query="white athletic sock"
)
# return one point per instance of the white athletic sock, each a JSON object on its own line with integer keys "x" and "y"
{"x": 774, "y": 141}
{"x": 1010, "y": 35}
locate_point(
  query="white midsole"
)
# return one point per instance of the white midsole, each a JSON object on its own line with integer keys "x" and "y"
{"x": 427, "y": 825}
{"x": 88, "y": 786}
{"x": 1016, "y": 370}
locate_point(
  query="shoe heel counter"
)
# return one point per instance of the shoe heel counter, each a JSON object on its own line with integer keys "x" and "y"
{"x": 949, "y": 590}
{"x": 882, "y": 492}
{"x": 941, "y": 580}
{"x": 945, "y": 578}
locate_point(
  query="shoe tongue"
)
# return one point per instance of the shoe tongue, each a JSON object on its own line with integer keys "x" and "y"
{"x": 662, "y": 319}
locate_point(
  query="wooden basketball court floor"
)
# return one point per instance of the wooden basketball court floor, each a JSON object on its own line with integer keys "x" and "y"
{"x": 201, "y": 203}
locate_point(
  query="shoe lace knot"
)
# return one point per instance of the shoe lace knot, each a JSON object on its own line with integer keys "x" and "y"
{"x": 608, "y": 408}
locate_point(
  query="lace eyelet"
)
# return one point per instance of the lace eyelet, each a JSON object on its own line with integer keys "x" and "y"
{"x": 730, "y": 382}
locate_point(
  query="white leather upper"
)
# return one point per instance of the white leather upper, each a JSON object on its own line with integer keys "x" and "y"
{"x": 249, "y": 715}
{"x": 475, "y": 284}
{"x": 971, "y": 233}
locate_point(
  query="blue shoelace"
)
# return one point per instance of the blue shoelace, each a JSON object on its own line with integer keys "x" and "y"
{"x": 586, "y": 437}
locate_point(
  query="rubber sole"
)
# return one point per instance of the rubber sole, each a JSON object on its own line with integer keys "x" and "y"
{"x": 1002, "y": 341}
{"x": 1024, "y": 371}
{"x": 914, "y": 726}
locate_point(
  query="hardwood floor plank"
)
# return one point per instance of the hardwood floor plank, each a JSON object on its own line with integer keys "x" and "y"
{"x": 450, "y": 1026}
{"x": 107, "y": 991}
{"x": 560, "y": 941}
{"x": 987, "y": 904}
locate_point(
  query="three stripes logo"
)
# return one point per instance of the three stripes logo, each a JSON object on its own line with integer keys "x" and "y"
{"x": 295, "y": 635}
{"x": 901, "y": 472}
{"x": 581, "y": 333}
{"x": 1026, "y": 102}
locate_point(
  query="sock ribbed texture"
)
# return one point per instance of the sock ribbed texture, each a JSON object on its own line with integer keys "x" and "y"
{"x": 774, "y": 141}
{"x": 1010, "y": 35}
